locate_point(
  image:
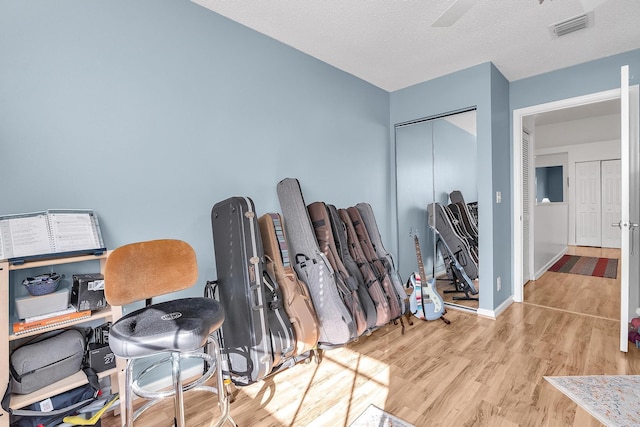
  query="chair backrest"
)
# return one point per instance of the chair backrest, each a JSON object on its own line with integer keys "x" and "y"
{"x": 143, "y": 270}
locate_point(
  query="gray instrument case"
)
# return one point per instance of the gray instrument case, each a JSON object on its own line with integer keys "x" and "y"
{"x": 38, "y": 364}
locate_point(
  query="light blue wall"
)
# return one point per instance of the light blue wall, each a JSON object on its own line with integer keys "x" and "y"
{"x": 582, "y": 79}
{"x": 150, "y": 111}
{"x": 456, "y": 167}
{"x": 501, "y": 182}
{"x": 484, "y": 87}
{"x": 414, "y": 155}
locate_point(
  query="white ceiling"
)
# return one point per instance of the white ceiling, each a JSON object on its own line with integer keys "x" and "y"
{"x": 391, "y": 43}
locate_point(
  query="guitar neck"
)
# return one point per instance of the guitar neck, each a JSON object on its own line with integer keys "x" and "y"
{"x": 419, "y": 256}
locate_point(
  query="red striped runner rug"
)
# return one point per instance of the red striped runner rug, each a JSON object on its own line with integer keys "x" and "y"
{"x": 587, "y": 266}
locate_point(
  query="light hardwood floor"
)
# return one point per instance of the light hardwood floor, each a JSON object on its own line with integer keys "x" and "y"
{"x": 475, "y": 371}
{"x": 593, "y": 296}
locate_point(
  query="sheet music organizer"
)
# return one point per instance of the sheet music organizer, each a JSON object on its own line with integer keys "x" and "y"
{"x": 53, "y": 233}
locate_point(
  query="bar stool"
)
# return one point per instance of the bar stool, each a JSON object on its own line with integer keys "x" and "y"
{"x": 176, "y": 329}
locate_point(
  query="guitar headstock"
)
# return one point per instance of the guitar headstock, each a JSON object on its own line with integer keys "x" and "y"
{"x": 413, "y": 232}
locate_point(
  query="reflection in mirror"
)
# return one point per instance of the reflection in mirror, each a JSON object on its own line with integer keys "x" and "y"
{"x": 551, "y": 177}
{"x": 434, "y": 157}
{"x": 549, "y": 184}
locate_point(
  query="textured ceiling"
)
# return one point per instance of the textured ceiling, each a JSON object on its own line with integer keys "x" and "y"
{"x": 391, "y": 43}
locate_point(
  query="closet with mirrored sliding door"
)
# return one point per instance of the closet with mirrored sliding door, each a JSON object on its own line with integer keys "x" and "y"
{"x": 434, "y": 157}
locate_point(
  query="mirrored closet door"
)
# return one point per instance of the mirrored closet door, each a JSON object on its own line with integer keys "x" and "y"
{"x": 436, "y": 157}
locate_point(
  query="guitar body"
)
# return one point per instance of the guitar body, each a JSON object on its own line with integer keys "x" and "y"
{"x": 425, "y": 302}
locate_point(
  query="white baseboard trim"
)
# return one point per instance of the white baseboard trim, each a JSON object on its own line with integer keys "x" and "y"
{"x": 548, "y": 265}
{"x": 493, "y": 314}
{"x": 483, "y": 312}
{"x": 459, "y": 307}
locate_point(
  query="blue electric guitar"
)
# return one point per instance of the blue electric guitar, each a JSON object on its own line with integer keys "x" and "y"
{"x": 425, "y": 301}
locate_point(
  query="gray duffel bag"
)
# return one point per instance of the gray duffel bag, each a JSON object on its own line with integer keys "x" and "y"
{"x": 37, "y": 364}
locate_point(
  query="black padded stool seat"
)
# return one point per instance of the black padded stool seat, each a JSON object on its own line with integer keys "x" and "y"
{"x": 180, "y": 325}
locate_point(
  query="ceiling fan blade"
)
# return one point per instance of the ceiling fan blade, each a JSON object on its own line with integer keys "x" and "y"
{"x": 451, "y": 15}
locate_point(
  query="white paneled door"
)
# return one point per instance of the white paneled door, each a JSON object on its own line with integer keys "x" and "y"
{"x": 598, "y": 203}
{"x": 588, "y": 218}
{"x": 630, "y": 165}
{"x": 611, "y": 202}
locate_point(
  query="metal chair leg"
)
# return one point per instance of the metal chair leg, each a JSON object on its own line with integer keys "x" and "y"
{"x": 214, "y": 361}
{"x": 223, "y": 396}
{"x": 177, "y": 387}
{"x": 129, "y": 394}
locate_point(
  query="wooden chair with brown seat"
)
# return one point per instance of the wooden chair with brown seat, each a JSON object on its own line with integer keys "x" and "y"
{"x": 177, "y": 329}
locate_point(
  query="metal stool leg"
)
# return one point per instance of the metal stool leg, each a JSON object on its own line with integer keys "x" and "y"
{"x": 214, "y": 362}
{"x": 223, "y": 398}
{"x": 178, "y": 391}
{"x": 129, "y": 394}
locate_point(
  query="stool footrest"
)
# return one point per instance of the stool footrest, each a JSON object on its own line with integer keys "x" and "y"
{"x": 149, "y": 394}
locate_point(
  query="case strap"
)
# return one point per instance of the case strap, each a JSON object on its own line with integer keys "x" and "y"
{"x": 92, "y": 378}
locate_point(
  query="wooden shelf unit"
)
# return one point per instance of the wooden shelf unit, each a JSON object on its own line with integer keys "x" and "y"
{"x": 111, "y": 313}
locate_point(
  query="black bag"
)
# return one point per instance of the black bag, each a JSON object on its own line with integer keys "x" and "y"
{"x": 63, "y": 404}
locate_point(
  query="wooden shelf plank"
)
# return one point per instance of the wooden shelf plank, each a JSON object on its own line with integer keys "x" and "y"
{"x": 75, "y": 380}
{"x": 55, "y": 261}
{"x": 107, "y": 312}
